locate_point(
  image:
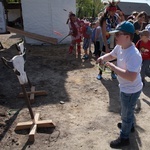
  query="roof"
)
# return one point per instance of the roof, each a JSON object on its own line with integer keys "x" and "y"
{"x": 129, "y": 7}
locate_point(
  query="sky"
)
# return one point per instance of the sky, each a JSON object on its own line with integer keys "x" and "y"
{"x": 136, "y": 1}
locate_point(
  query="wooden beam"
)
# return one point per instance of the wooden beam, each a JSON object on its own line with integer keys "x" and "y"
{"x": 32, "y": 132}
{"x": 37, "y": 93}
{"x": 24, "y": 125}
{"x": 33, "y": 35}
{"x": 33, "y": 125}
{"x": 32, "y": 94}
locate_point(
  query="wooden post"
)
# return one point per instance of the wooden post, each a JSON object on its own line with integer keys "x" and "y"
{"x": 27, "y": 101}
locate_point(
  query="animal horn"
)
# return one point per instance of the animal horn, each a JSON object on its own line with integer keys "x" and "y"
{"x": 17, "y": 72}
{"x": 7, "y": 63}
{"x": 117, "y": 2}
{"x": 24, "y": 56}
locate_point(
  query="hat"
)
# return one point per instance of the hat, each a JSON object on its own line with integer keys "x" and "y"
{"x": 148, "y": 27}
{"x": 111, "y": 8}
{"x": 124, "y": 26}
{"x": 144, "y": 32}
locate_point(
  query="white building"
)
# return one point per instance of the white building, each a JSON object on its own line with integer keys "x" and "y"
{"x": 47, "y": 17}
{"x": 2, "y": 19}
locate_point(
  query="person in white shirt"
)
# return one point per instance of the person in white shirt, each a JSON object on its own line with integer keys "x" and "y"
{"x": 128, "y": 69}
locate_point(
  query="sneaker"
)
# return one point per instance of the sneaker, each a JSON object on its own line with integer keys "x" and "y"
{"x": 113, "y": 75}
{"x": 120, "y": 124}
{"x": 1, "y": 46}
{"x": 143, "y": 80}
{"x": 137, "y": 109}
{"x": 85, "y": 57}
{"x": 119, "y": 142}
{"x": 99, "y": 77}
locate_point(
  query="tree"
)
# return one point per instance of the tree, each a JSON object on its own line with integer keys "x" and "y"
{"x": 88, "y": 8}
{"x": 13, "y": 1}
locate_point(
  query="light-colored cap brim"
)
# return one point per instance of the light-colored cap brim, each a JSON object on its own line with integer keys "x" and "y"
{"x": 114, "y": 31}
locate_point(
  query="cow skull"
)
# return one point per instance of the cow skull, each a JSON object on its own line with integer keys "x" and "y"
{"x": 17, "y": 63}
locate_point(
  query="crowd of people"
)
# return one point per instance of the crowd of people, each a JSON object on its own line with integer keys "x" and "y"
{"x": 125, "y": 41}
{"x": 97, "y": 32}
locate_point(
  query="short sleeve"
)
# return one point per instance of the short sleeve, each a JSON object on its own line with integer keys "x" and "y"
{"x": 134, "y": 62}
{"x": 115, "y": 51}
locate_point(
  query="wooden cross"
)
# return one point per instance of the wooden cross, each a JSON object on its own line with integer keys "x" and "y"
{"x": 33, "y": 125}
{"x": 33, "y": 93}
{"x": 17, "y": 64}
{"x": 35, "y": 122}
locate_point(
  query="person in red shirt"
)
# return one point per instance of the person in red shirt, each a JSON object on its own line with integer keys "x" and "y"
{"x": 143, "y": 46}
{"x": 74, "y": 26}
{"x": 86, "y": 33}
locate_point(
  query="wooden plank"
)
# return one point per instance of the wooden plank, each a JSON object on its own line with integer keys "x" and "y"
{"x": 23, "y": 125}
{"x": 33, "y": 35}
{"x": 32, "y": 94}
{"x": 37, "y": 93}
{"x": 32, "y": 132}
{"x": 36, "y": 117}
{"x": 45, "y": 123}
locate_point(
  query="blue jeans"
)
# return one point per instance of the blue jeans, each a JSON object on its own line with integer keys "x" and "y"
{"x": 128, "y": 102}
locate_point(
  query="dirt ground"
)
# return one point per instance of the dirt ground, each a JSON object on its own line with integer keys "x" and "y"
{"x": 87, "y": 120}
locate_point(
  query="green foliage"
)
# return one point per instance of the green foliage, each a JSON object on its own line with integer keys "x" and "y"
{"x": 88, "y": 8}
{"x": 13, "y": 1}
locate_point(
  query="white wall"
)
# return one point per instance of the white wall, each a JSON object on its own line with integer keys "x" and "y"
{"x": 46, "y": 16}
{"x": 2, "y": 19}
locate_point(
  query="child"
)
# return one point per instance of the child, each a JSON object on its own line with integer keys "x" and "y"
{"x": 128, "y": 73}
{"x": 143, "y": 46}
{"x": 93, "y": 34}
{"x": 74, "y": 26}
{"x": 90, "y": 45}
{"x": 97, "y": 39}
{"x": 86, "y": 33}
